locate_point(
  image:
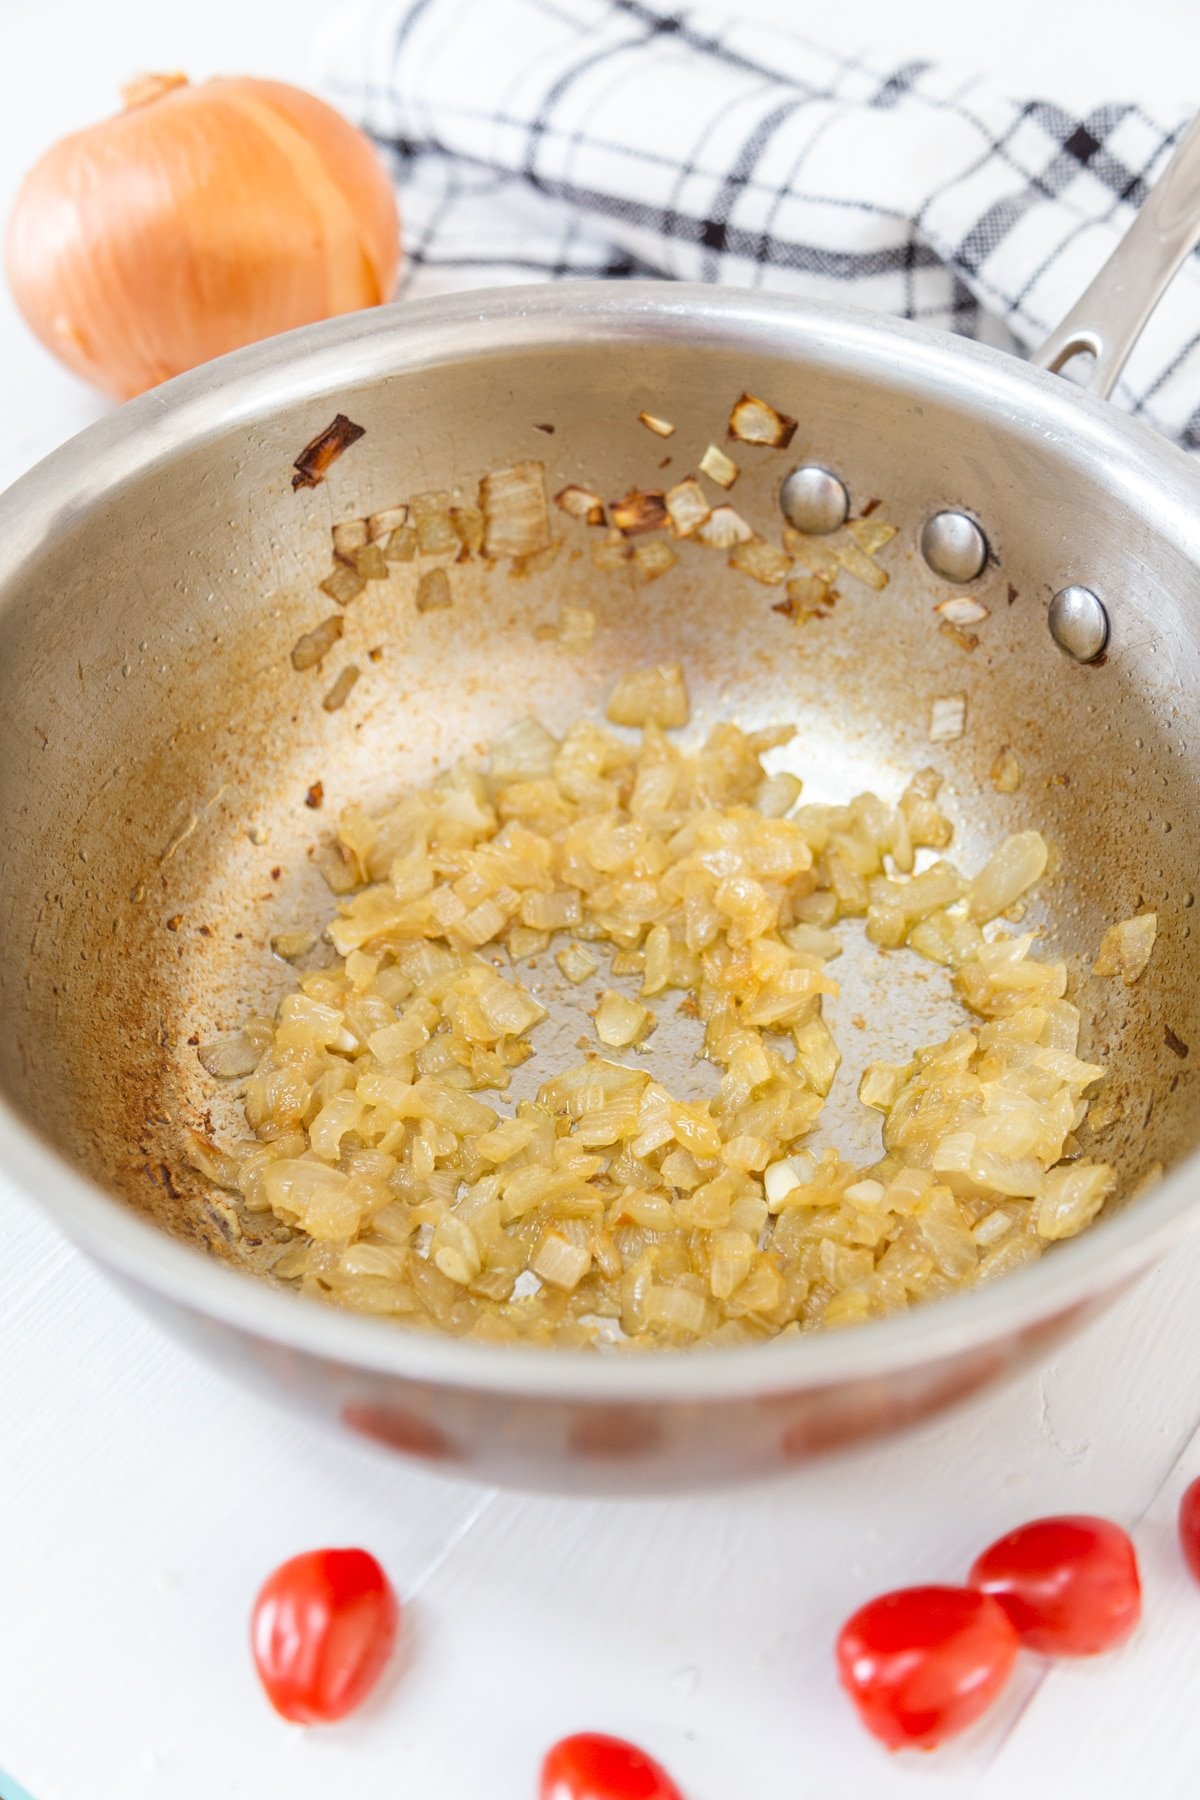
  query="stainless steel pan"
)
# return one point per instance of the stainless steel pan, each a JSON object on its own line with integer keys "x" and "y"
{"x": 157, "y": 747}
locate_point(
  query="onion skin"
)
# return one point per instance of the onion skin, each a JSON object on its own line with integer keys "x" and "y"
{"x": 198, "y": 220}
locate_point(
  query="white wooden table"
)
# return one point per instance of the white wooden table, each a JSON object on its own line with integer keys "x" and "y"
{"x": 142, "y": 1497}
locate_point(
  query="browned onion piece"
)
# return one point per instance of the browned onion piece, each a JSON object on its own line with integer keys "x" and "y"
{"x": 323, "y": 450}
{"x": 752, "y": 421}
{"x": 468, "y": 529}
{"x": 308, "y": 650}
{"x": 341, "y": 690}
{"x": 581, "y": 503}
{"x": 639, "y": 511}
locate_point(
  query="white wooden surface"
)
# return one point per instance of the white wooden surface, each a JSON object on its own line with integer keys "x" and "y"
{"x": 142, "y": 1497}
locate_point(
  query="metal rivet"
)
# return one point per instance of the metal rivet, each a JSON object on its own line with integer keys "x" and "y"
{"x": 814, "y": 500}
{"x": 1078, "y": 623}
{"x": 954, "y": 546}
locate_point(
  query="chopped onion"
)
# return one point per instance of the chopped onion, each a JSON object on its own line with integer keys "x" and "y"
{"x": 760, "y": 560}
{"x": 433, "y": 591}
{"x": 871, "y": 534}
{"x": 947, "y": 718}
{"x": 523, "y": 941}
{"x": 966, "y": 640}
{"x": 455, "y": 1250}
{"x": 808, "y": 597}
{"x": 1105, "y": 1110}
{"x": 1006, "y": 772}
{"x": 653, "y": 559}
{"x": 723, "y": 528}
{"x": 581, "y": 503}
{"x": 639, "y": 512}
{"x": 754, "y": 422}
{"x": 686, "y": 506}
{"x": 718, "y": 467}
{"x": 561, "y": 1262}
{"x": 230, "y": 1057}
{"x": 676, "y": 1309}
{"x": 380, "y": 525}
{"x": 343, "y": 584}
{"x": 828, "y": 556}
{"x": 613, "y": 553}
{"x": 660, "y": 427}
{"x": 370, "y": 563}
{"x": 309, "y": 650}
{"x": 467, "y": 523}
{"x": 621, "y": 1022}
{"x": 341, "y": 690}
{"x": 323, "y": 450}
{"x": 815, "y": 553}
{"x": 1009, "y": 872}
{"x": 339, "y": 867}
{"x": 401, "y": 546}
{"x": 288, "y": 945}
{"x": 652, "y": 696}
{"x": 513, "y": 503}
{"x": 960, "y": 609}
{"x": 1072, "y": 1196}
{"x": 434, "y": 527}
{"x": 882, "y": 1084}
{"x": 1125, "y": 948}
{"x": 523, "y": 751}
{"x": 608, "y": 1197}
{"x": 576, "y": 963}
{"x": 576, "y": 628}
{"x": 348, "y": 536}
{"x": 536, "y": 561}
{"x": 779, "y": 1179}
{"x": 857, "y": 563}
{"x": 864, "y": 1193}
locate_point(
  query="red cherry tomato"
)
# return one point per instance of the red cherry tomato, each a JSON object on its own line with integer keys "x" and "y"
{"x": 323, "y": 1627}
{"x": 923, "y": 1663}
{"x": 1069, "y": 1585}
{"x": 1189, "y": 1527}
{"x": 590, "y": 1766}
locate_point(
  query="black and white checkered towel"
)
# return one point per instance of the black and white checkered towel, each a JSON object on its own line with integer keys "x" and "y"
{"x": 543, "y": 138}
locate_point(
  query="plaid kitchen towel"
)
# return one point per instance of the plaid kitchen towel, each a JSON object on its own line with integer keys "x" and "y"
{"x": 544, "y": 138}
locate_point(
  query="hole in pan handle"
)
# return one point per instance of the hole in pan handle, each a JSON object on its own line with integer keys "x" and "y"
{"x": 1107, "y": 319}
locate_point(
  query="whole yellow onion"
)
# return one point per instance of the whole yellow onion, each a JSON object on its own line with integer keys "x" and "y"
{"x": 199, "y": 219}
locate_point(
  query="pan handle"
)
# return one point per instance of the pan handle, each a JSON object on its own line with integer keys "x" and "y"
{"x": 1108, "y": 317}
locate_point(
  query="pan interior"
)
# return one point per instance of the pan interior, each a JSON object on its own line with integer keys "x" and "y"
{"x": 159, "y": 747}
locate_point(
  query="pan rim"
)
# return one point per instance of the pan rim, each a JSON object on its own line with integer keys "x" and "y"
{"x": 324, "y": 361}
